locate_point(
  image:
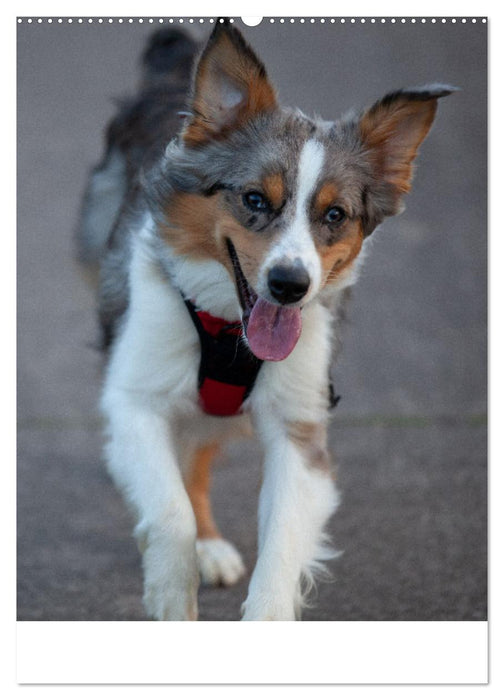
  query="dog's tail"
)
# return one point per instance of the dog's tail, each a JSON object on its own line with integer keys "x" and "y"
{"x": 169, "y": 54}
{"x": 166, "y": 68}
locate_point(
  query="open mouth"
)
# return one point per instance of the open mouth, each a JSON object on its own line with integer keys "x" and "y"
{"x": 272, "y": 330}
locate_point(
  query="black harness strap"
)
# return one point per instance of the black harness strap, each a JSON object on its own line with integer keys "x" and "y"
{"x": 228, "y": 370}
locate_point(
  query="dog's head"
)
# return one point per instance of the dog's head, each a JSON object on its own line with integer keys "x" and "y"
{"x": 283, "y": 201}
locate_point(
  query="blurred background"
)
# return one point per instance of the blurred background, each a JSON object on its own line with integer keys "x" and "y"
{"x": 409, "y": 435}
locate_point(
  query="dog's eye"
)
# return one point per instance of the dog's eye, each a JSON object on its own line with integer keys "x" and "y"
{"x": 255, "y": 201}
{"x": 335, "y": 215}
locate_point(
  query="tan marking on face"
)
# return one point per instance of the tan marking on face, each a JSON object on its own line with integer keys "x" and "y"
{"x": 192, "y": 221}
{"x": 198, "y": 226}
{"x": 274, "y": 189}
{"x": 311, "y": 438}
{"x": 325, "y": 198}
{"x": 338, "y": 256}
{"x": 198, "y": 489}
{"x": 251, "y": 248}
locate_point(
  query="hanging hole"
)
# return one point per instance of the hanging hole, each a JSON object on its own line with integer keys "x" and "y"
{"x": 251, "y": 21}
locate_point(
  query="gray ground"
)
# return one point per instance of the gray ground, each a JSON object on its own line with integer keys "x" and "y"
{"x": 410, "y": 432}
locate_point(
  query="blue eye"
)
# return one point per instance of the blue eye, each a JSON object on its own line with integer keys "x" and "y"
{"x": 335, "y": 215}
{"x": 255, "y": 201}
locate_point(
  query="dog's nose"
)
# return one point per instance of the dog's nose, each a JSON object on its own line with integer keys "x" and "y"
{"x": 288, "y": 283}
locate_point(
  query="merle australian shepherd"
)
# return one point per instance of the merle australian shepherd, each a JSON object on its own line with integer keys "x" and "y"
{"x": 225, "y": 230}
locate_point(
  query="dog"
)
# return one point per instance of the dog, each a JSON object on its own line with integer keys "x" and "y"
{"x": 224, "y": 231}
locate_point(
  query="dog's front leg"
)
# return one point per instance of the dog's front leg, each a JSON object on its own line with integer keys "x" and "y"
{"x": 142, "y": 461}
{"x": 296, "y": 500}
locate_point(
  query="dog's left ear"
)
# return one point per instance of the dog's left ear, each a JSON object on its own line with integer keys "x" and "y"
{"x": 391, "y": 132}
{"x": 230, "y": 86}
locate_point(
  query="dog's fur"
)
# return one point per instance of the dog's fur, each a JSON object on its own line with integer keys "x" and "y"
{"x": 169, "y": 214}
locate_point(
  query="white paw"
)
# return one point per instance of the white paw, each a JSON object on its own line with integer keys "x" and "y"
{"x": 170, "y": 577}
{"x": 269, "y": 602}
{"x": 268, "y": 611}
{"x": 220, "y": 564}
{"x": 164, "y": 603}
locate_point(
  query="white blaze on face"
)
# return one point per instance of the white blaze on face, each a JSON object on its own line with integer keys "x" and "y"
{"x": 297, "y": 241}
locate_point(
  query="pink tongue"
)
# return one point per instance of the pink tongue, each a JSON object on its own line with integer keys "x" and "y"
{"x": 272, "y": 330}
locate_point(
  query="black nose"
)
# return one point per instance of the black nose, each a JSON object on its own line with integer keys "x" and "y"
{"x": 288, "y": 283}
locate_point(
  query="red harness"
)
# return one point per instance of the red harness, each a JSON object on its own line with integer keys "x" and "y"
{"x": 228, "y": 369}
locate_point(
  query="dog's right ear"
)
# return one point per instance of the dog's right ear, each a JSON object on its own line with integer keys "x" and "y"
{"x": 230, "y": 87}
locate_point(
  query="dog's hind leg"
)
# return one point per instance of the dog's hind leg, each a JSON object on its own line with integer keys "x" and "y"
{"x": 219, "y": 562}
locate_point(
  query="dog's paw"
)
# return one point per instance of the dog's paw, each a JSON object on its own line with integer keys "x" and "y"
{"x": 170, "y": 596}
{"x": 265, "y": 612}
{"x": 170, "y": 593}
{"x": 162, "y": 603}
{"x": 171, "y": 576}
{"x": 268, "y": 604}
{"x": 220, "y": 564}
